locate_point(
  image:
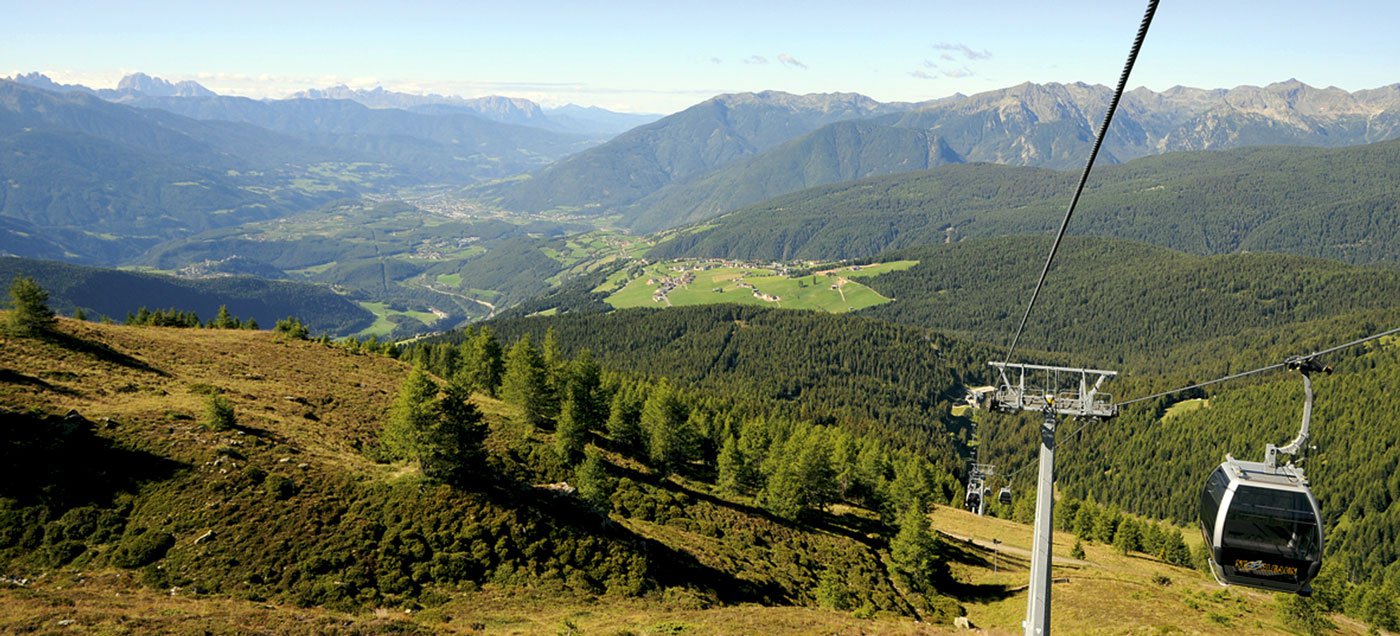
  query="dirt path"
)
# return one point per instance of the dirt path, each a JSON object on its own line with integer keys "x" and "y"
{"x": 1011, "y": 550}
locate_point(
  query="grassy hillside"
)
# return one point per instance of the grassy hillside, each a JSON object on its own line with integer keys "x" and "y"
{"x": 1332, "y": 203}
{"x": 284, "y": 523}
{"x": 286, "y": 509}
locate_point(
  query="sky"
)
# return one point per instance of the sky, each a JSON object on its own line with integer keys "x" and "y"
{"x": 661, "y": 56}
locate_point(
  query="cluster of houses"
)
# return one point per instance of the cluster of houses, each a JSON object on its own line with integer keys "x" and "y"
{"x": 758, "y": 294}
{"x": 666, "y": 283}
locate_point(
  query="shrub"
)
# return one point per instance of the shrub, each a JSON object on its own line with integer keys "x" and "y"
{"x": 218, "y": 413}
{"x": 142, "y": 549}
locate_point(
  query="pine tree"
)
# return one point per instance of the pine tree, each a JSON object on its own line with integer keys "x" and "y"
{"x": 525, "y": 384}
{"x": 595, "y": 486}
{"x": 411, "y": 417}
{"x": 454, "y": 449}
{"x": 79, "y": 314}
{"x": 586, "y": 391}
{"x": 30, "y": 314}
{"x": 1125, "y": 538}
{"x": 669, "y": 440}
{"x": 914, "y": 552}
{"x": 1077, "y": 552}
{"x": 223, "y": 320}
{"x": 731, "y": 466}
{"x": 218, "y": 413}
{"x": 624, "y": 424}
{"x": 570, "y": 433}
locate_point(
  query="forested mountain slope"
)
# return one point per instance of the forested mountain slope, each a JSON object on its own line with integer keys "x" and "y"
{"x": 101, "y": 179}
{"x": 838, "y": 152}
{"x": 1332, "y": 203}
{"x": 892, "y": 379}
{"x": 1154, "y": 458}
{"x": 1118, "y": 302}
{"x": 678, "y": 147}
{"x": 116, "y": 293}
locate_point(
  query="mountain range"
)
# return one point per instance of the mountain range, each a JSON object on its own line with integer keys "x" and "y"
{"x": 736, "y": 150}
{"x": 591, "y": 120}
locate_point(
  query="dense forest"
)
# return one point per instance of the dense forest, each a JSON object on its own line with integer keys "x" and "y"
{"x": 1113, "y": 302}
{"x": 1332, "y": 203}
{"x": 115, "y": 293}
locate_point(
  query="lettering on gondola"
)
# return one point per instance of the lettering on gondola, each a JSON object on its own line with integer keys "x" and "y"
{"x": 1265, "y": 569}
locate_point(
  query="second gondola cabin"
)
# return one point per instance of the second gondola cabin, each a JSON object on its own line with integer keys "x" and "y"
{"x": 1262, "y": 525}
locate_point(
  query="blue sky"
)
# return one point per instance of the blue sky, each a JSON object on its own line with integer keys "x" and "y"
{"x": 661, "y": 56}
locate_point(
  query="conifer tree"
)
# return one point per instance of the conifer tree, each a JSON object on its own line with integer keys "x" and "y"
{"x": 570, "y": 432}
{"x": 624, "y": 424}
{"x": 479, "y": 364}
{"x": 30, "y": 314}
{"x": 914, "y": 552}
{"x": 595, "y": 486}
{"x": 525, "y": 384}
{"x": 669, "y": 440}
{"x": 731, "y": 466}
{"x": 411, "y": 416}
{"x": 223, "y": 320}
{"x": 454, "y": 449}
{"x": 444, "y": 436}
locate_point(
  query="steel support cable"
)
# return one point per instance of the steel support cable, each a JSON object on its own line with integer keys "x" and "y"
{"x": 1084, "y": 177}
{"x": 1232, "y": 376}
{"x": 1262, "y": 369}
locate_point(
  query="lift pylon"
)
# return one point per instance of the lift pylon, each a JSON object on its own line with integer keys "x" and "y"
{"x": 1053, "y": 392}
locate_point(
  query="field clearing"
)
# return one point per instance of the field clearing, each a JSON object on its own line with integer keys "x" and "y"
{"x": 831, "y": 292}
{"x": 1186, "y": 406}
{"x": 865, "y": 271}
{"x": 383, "y": 326}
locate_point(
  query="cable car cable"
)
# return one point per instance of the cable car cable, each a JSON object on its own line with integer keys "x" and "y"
{"x": 1071, "y": 436}
{"x": 1084, "y": 177}
{"x": 1263, "y": 369}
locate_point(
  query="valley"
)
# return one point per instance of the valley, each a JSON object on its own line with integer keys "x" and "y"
{"x": 411, "y": 356}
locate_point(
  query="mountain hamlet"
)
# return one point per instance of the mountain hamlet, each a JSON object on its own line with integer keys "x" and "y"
{"x": 362, "y": 361}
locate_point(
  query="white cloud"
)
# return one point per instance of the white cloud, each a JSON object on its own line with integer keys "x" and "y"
{"x": 791, "y": 61}
{"x": 755, "y": 59}
{"x": 967, "y": 52}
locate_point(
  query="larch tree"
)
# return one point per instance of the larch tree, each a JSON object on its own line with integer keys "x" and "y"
{"x": 30, "y": 314}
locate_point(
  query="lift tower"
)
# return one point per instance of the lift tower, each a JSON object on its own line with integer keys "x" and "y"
{"x": 1062, "y": 391}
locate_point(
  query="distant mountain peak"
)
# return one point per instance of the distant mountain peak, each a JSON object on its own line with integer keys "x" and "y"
{"x": 39, "y": 80}
{"x": 157, "y": 87}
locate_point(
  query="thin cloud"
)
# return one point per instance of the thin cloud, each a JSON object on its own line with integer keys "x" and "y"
{"x": 715, "y": 60}
{"x": 939, "y": 71}
{"x": 791, "y": 61}
{"x": 952, "y": 50}
{"x": 755, "y": 59}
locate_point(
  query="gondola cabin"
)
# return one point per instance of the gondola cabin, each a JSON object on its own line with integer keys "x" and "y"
{"x": 1004, "y": 496}
{"x": 1262, "y": 525}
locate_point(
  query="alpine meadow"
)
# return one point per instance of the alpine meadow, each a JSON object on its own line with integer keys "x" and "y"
{"x": 614, "y": 319}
